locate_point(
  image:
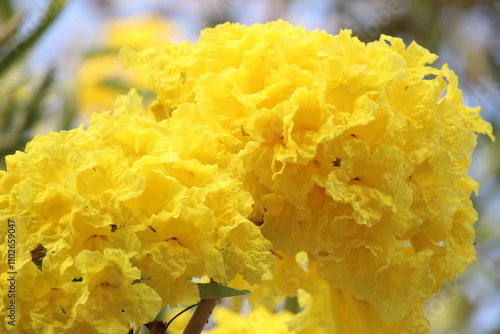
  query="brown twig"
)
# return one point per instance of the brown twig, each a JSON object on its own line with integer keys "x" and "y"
{"x": 156, "y": 327}
{"x": 200, "y": 316}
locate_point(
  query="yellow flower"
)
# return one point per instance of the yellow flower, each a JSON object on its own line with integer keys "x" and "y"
{"x": 355, "y": 153}
{"x": 101, "y": 77}
{"x": 351, "y": 158}
{"x": 322, "y": 308}
{"x": 259, "y": 320}
{"x": 41, "y": 296}
{"x": 122, "y": 222}
{"x": 113, "y": 300}
{"x": 140, "y": 31}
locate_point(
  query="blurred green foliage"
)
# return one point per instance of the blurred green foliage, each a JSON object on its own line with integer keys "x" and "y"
{"x": 22, "y": 94}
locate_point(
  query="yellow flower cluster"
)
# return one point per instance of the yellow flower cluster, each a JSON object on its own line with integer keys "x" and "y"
{"x": 121, "y": 225}
{"x": 355, "y": 153}
{"x": 348, "y": 159}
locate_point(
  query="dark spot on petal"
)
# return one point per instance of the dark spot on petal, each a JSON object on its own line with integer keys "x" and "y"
{"x": 259, "y": 223}
{"x": 276, "y": 254}
{"x": 136, "y": 281}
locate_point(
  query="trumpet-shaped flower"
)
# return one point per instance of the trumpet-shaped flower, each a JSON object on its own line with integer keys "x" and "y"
{"x": 355, "y": 153}
{"x": 352, "y": 155}
{"x": 128, "y": 222}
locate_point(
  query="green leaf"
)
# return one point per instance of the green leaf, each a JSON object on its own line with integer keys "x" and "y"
{"x": 17, "y": 51}
{"x": 34, "y": 108}
{"x": 7, "y": 30}
{"x": 211, "y": 291}
{"x": 6, "y": 9}
{"x": 7, "y": 113}
{"x": 69, "y": 113}
{"x": 116, "y": 84}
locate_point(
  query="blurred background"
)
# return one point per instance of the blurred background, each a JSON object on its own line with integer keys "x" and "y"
{"x": 58, "y": 64}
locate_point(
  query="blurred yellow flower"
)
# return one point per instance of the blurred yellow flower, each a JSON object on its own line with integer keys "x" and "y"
{"x": 140, "y": 31}
{"x": 101, "y": 76}
{"x": 99, "y": 81}
{"x": 259, "y": 320}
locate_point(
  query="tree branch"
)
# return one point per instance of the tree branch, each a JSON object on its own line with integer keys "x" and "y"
{"x": 200, "y": 316}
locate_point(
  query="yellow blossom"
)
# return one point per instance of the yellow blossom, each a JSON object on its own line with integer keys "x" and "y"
{"x": 354, "y": 153}
{"x": 113, "y": 300}
{"x": 140, "y": 31}
{"x": 348, "y": 159}
{"x": 101, "y": 76}
{"x": 118, "y": 225}
{"x": 259, "y": 320}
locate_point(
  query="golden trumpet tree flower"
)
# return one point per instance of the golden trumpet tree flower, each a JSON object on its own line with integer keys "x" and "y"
{"x": 354, "y": 153}
{"x": 339, "y": 165}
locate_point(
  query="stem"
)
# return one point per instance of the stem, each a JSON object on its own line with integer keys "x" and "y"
{"x": 200, "y": 316}
{"x": 181, "y": 312}
{"x": 156, "y": 327}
